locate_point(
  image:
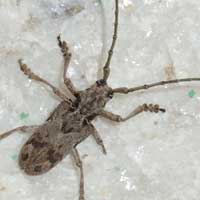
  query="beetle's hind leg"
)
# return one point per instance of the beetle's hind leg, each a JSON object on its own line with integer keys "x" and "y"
{"x": 79, "y": 164}
{"x": 67, "y": 57}
{"x": 27, "y": 129}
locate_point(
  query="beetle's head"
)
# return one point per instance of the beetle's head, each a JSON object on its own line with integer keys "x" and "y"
{"x": 103, "y": 89}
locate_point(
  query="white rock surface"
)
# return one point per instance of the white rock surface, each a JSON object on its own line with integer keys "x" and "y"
{"x": 150, "y": 157}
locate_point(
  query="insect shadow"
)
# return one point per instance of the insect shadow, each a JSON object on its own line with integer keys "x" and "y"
{"x": 70, "y": 122}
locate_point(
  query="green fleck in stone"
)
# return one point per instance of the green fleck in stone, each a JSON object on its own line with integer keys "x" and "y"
{"x": 23, "y": 115}
{"x": 14, "y": 157}
{"x": 191, "y": 93}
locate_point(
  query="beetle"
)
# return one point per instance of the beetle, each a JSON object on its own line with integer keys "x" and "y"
{"x": 70, "y": 122}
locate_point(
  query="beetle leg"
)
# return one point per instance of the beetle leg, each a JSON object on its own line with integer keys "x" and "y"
{"x": 117, "y": 118}
{"x": 79, "y": 164}
{"x": 27, "y": 71}
{"x": 67, "y": 57}
{"x": 27, "y": 129}
{"x": 98, "y": 139}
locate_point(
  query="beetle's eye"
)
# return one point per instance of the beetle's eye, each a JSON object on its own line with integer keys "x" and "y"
{"x": 100, "y": 82}
{"x": 110, "y": 95}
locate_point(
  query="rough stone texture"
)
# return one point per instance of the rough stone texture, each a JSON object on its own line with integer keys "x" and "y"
{"x": 150, "y": 157}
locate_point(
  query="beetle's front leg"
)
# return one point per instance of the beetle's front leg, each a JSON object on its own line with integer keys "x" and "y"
{"x": 139, "y": 109}
{"x": 29, "y": 129}
{"x": 79, "y": 164}
{"x": 67, "y": 57}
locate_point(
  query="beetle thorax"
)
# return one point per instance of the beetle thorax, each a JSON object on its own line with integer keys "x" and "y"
{"x": 94, "y": 99}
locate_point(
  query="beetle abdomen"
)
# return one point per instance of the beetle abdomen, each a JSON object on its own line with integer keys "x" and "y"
{"x": 44, "y": 149}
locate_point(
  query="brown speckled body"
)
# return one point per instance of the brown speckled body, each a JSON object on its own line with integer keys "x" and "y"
{"x": 70, "y": 122}
{"x": 64, "y": 129}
